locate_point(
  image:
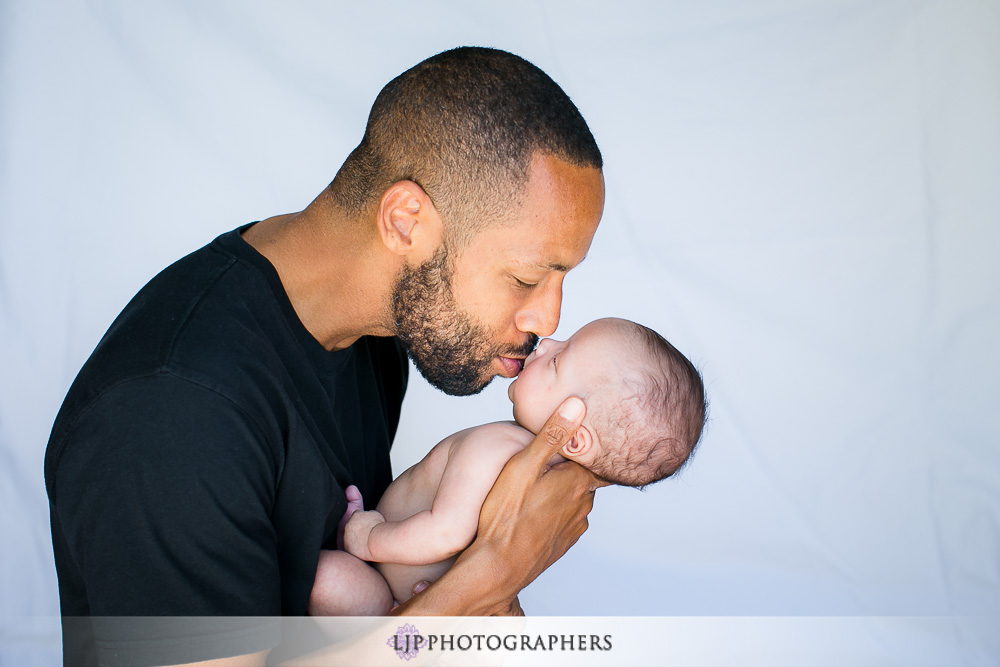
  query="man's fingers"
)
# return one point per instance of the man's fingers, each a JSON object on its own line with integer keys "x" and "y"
{"x": 559, "y": 429}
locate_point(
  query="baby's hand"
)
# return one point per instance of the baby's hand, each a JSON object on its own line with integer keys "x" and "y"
{"x": 359, "y": 527}
{"x": 354, "y": 503}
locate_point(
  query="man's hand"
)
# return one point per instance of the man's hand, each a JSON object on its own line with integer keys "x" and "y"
{"x": 534, "y": 513}
{"x": 532, "y": 516}
{"x": 356, "y": 533}
{"x": 513, "y": 610}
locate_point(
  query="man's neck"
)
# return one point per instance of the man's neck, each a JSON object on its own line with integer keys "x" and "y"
{"x": 338, "y": 281}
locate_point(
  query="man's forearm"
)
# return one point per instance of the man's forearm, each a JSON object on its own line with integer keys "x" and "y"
{"x": 469, "y": 588}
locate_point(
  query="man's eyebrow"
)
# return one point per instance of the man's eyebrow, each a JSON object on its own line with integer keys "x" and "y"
{"x": 549, "y": 266}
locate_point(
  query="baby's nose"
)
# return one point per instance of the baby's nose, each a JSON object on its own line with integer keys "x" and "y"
{"x": 537, "y": 351}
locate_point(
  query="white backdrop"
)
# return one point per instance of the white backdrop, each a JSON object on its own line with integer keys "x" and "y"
{"x": 804, "y": 197}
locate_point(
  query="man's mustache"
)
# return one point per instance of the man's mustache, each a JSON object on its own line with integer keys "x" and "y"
{"x": 523, "y": 350}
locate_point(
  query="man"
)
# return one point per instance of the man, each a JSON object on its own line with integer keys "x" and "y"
{"x": 199, "y": 462}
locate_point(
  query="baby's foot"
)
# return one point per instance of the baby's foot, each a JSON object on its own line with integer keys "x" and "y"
{"x": 354, "y": 504}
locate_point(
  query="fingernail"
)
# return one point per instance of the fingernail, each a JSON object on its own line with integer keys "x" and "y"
{"x": 571, "y": 409}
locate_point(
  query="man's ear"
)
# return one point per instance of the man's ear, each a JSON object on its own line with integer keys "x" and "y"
{"x": 407, "y": 221}
{"x": 581, "y": 445}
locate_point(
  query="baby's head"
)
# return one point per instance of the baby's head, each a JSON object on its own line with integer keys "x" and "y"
{"x": 645, "y": 401}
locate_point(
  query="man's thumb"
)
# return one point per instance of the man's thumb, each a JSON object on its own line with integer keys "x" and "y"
{"x": 563, "y": 424}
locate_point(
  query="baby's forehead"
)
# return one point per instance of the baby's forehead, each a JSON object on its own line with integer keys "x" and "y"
{"x": 608, "y": 331}
{"x": 613, "y": 359}
{"x": 609, "y": 365}
{"x": 606, "y": 342}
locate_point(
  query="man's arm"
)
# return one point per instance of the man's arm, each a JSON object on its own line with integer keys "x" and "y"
{"x": 161, "y": 515}
{"x": 429, "y": 536}
{"x": 533, "y": 515}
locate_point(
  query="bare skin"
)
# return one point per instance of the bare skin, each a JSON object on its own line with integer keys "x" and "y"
{"x": 527, "y": 490}
{"x": 430, "y": 513}
{"x": 339, "y": 272}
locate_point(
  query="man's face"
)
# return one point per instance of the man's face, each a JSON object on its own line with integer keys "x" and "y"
{"x": 468, "y": 318}
{"x": 449, "y": 347}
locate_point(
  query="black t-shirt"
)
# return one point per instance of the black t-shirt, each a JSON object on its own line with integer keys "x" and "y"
{"x": 198, "y": 463}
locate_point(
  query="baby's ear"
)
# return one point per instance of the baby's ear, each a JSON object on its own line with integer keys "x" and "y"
{"x": 580, "y": 445}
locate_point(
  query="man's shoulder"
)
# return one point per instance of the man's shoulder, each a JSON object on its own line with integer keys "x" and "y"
{"x": 202, "y": 317}
{"x": 199, "y": 286}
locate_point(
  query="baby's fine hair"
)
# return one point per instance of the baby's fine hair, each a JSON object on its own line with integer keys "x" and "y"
{"x": 652, "y": 417}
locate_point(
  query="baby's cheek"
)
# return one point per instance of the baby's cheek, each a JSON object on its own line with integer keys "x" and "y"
{"x": 544, "y": 405}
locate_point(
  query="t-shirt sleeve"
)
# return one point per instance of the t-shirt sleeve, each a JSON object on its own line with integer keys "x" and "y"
{"x": 163, "y": 494}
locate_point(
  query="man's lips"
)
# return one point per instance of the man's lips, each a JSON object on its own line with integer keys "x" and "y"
{"x": 511, "y": 366}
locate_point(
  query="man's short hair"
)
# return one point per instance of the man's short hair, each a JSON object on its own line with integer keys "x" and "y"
{"x": 464, "y": 125}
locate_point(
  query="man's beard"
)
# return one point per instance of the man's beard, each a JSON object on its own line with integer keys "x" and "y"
{"x": 452, "y": 352}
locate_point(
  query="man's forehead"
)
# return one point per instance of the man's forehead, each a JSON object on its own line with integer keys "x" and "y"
{"x": 561, "y": 209}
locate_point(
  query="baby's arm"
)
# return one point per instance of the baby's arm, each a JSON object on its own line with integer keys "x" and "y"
{"x": 474, "y": 462}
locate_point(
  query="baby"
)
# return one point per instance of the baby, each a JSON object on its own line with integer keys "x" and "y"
{"x": 645, "y": 412}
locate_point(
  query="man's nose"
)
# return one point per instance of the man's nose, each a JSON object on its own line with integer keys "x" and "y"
{"x": 540, "y": 315}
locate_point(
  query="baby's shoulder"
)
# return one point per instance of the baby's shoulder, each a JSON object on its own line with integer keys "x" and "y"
{"x": 501, "y": 432}
{"x": 499, "y": 437}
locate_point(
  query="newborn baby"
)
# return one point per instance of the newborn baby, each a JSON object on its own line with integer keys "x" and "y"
{"x": 645, "y": 412}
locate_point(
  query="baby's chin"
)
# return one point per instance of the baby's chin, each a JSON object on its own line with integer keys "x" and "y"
{"x": 521, "y": 421}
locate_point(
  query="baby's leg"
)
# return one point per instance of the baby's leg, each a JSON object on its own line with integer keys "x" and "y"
{"x": 402, "y": 578}
{"x": 347, "y": 586}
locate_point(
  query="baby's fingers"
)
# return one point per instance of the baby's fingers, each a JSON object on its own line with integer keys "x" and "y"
{"x": 354, "y": 504}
